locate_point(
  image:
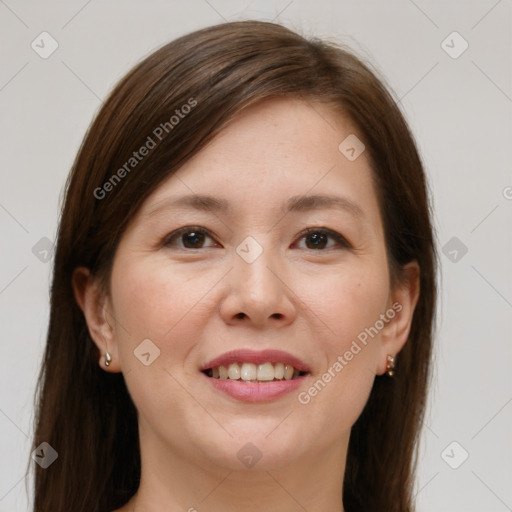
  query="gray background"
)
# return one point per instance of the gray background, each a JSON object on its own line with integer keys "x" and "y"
{"x": 460, "y": 112}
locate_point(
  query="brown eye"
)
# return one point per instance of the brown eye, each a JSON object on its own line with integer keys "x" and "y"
{"x": 318, "y": 239}
{"x": 190, "y": 237}
{"x": 193, "y": 239}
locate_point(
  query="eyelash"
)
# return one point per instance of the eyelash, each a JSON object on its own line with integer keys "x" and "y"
{"x": 340, "y": 239}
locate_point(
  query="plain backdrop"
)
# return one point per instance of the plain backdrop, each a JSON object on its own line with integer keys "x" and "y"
{"x": 458, "y": 102}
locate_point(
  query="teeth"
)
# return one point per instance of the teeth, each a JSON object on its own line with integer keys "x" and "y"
{"x": 279, "y": 371}
{"x": 248, "y": 371}
{"x": 234, "y": 371}
{"x": 288, "y": 371}
{"x": 254, "y": 373}
{"x": 266, "y": 371}
{"x": 223, "y": 372}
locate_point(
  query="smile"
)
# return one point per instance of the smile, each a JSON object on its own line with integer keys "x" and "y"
{"x": 250, "y": 372}
{"x": 255, "y": 376}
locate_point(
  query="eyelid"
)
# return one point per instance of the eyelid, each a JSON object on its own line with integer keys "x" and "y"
{"x": 185, "y": 229}
{"x": 338, "y": 237}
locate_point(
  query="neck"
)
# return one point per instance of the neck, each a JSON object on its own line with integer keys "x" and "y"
{"x": 174, "y": 481}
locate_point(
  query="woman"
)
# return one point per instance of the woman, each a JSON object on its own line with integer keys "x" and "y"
{"x": 243, "y": 295}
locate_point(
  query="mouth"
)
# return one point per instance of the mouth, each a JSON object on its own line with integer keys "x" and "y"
{"x": 251, "y": 372}
{"x": 255, "y": 366}
{"x": 256, "y": 376}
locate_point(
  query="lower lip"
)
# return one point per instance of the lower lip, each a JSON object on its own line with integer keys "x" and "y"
{"x": 256, "y": 391}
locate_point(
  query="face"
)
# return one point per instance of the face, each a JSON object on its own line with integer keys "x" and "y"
{"x": 286, "y": 254}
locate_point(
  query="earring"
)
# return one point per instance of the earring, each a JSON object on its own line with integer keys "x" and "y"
{"x": 390, "y": 366}
{"x": 107, "y": 359}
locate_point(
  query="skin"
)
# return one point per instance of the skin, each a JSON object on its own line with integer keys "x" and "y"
{"x": 307, "y": 301}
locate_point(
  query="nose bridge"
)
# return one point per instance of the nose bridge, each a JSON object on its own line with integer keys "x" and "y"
{"x": 256, "y": 289}
{"x": 253, "y": 261}
{"x": 257, "y": 271}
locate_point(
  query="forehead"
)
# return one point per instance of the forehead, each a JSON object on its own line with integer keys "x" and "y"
{"x": 270, "y": 154}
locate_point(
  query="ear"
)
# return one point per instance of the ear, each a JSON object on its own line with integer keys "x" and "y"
{"x": 402, "y": 301}
{"x": 96, "y": 306}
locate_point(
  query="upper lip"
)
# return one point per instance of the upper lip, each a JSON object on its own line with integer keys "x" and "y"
{"x": 256, "y": 357}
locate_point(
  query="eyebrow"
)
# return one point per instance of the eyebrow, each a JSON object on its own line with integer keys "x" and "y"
{"x": 322, "y": 201}
{"x": 194, "y": 201}
{"x": 203, "y": 202}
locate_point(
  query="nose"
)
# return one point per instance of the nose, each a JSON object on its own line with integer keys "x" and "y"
{"x": 258, "y": 293}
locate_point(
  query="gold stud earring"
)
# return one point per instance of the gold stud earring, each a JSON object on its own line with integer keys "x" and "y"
{"x": 390, "y": 366}
{"x": 107, "y": 359}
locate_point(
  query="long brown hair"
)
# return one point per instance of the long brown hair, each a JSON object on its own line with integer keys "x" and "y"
{"x": 85, "y": 413}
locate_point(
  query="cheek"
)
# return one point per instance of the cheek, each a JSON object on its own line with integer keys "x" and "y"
{"x": 154, "y": 300}
{"x": 157, "y": 298}
{"x": 348, "y": 305}
{"x": 347, "y": 302}
{"x": 161, "y": 303}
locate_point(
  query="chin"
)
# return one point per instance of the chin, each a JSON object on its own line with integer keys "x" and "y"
{"x": 255, "y": 448}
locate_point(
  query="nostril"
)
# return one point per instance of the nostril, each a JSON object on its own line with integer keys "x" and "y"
{"x": 240, "y": 315}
